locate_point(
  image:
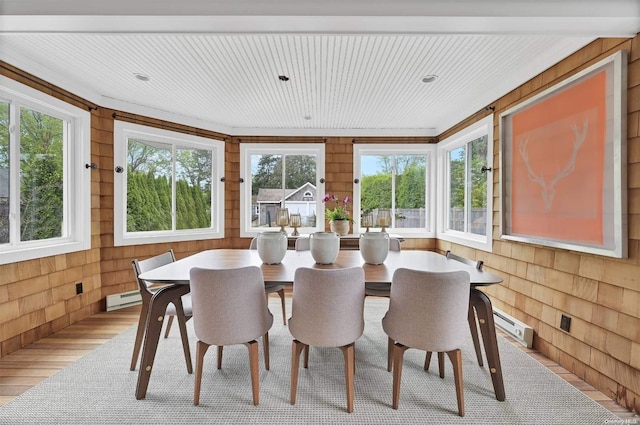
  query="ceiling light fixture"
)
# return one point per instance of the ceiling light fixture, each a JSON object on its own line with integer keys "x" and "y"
{"x": 283, "y": 78}
{"x": 141, "y": 77}
{"x": 429, "y": 78}
{"x": 307, "y": 117}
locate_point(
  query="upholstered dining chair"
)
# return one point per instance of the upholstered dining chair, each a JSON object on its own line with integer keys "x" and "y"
{"x": 427, "y": 311}
{"x": 327, "y": 311}
{"x": 303, "y": 244}
{"x": 229, "y": 307}
{"x": 181, "y": 310}
{"x": 382, "y": 289}
{"x": 270, "y": 288}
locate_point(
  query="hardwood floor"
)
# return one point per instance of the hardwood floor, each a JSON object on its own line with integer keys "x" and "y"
{"x": 25, "y": 368}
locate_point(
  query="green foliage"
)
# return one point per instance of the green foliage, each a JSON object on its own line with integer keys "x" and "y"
{"x": 299, "y": 169}
{"x": 376, "y": 192}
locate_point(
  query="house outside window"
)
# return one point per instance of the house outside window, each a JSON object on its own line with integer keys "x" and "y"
{"x": 465, "y": 192}
{"x": 45, "y": 204}
{"x": 280, "y": 176}
{"x": 169, "y": 186}
{"x": 400, "y": 178}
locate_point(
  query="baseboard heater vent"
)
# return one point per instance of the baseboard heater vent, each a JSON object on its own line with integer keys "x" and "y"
{"x": 122, "y": 300}
{"x": 522, "y": 332}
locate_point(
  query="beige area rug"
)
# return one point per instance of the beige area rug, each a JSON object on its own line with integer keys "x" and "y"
{"x": 99, "y": 388}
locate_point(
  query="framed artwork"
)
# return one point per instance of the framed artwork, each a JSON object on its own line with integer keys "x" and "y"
{"x": 563, "y": 163}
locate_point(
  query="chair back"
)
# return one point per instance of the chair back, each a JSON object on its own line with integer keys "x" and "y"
{"x": 394, "y": 244}
{"x": 428, "y": 310}
{"x": 141, "y": 266}
{"x": 477, "y": 264}
{"x": 229, "y": 305}
{"x": 254, "y": 243}
{"x": 327, "y": 306}
{"x": 303, "y": 244}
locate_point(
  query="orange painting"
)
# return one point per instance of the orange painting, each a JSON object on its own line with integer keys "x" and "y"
{"x": 558, "y": 164}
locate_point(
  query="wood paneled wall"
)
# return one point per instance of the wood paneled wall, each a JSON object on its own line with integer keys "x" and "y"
{"x": 602, "y": 295}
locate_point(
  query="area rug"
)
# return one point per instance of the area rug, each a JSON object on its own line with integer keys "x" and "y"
{"x": 99, "y": 388}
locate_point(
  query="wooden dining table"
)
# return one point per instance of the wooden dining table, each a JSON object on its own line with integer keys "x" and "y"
{"x": 177, "y": 273}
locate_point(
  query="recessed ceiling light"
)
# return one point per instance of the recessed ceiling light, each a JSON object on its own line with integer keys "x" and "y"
{"x": 429, "y": 78}
{"x": 141, "y": 77}
{"x": 307, "y": 117}
{"x": 283, "y": 78}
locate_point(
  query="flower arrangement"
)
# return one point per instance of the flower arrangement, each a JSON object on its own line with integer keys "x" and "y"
{"x": 341, "y": 209}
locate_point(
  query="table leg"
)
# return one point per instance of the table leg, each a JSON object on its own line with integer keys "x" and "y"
{"x": 155, "y": 318}
{"x": 482, "y": 305}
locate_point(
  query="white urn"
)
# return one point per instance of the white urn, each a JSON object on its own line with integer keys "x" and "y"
{"x": 324, "y": 246}
{"x": 272, "y": 247}
{"x": 374, "y": 247}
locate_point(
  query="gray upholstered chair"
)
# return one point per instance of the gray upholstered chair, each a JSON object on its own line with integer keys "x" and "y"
{"x": 229, "y": 307}
{"x": 303, "y": 244}
{"x": 327, "y": 311}
{"x": 427, "y": 311}
{"x": 182, "y": 310}
{"x": 382, "y": 289}
{"x": 271, "y": 288}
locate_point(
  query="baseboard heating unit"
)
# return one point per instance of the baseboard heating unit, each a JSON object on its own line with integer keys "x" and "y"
{"x": 521, "y": 332}
{"x": 122, "y": 300}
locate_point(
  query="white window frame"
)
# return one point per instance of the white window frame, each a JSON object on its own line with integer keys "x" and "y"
{"x": 122, "y": 132}
{"x": 463, "y": 137}
{"x": 249, "y": 149}
{"x": 76, "y": 226}
{"x": 398, "y": 149}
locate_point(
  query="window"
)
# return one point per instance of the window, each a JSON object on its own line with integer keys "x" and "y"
{"x": 45, "y": 200}
{"x": 466, "y": 190}
{"x": 168, "y": 187}
{"x": 400, "y": 178}
{"x": 281, "y": 176}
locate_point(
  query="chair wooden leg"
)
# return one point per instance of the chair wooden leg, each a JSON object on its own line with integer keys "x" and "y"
{"x": 201, "y": 349}
{"x": 456, "y": 360}
{"x": 284, "y": 310}
{"x": 390, "y": 344}
{"x": 168, "y": 328}
{"x": 473, "y": 327}
{"x": 253, "y": 363}
{"x": 296, "y": 348}
{"x": 220, "y": 347}
{"x": 441, "y": 364}
{"x": 306, "y": 357}
{"x": 265, "y": 348}
{"x": 182, "y": 325}
{"x": 427, "y": 360}
{"x": 142, "y": 325}
{"x": 398, "y": 354}
{"x": 349, "y": 367}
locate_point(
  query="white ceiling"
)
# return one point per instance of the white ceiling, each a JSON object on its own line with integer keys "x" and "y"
{"x": 354, "y": 66}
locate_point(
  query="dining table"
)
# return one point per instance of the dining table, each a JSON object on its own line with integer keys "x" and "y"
{"x": 176, "y": 275}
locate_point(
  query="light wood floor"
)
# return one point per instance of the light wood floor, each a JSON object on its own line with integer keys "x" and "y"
{"x": 24, "y": 368}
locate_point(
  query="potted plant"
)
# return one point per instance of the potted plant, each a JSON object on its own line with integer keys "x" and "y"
{"x": 339, "y": 216}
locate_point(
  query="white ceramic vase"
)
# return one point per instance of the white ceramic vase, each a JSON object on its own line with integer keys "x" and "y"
{"x": 341, "y": 227}
{"x": 324, "y": 246}
{"x": 272, "y": 247}
{"x": 374, "y": 247}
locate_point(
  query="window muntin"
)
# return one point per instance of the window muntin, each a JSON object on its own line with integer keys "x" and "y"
{"x": 172, "y": 191}
{"x": 44, "y": 193}
{"x": 466, "y": 192}
{"x": 281, "y": 176}
{"x": 397, "y": 177}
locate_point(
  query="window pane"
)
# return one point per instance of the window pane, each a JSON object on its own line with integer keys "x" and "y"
{"x": 266, "y": 189}
{"x": 456, "y": 188}
{"x": 478, "y": 187}
{"x": 148, "y": 186}
{"x": 193, "y": 188}
{"x": 410, "y": 191}
{"x": 300, "y": 178}
{"x": 41, "y": 175}
{"x": 376, "y": 183}
{"x": 4, "y": 172}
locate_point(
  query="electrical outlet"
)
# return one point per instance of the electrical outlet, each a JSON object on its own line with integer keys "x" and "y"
{"x": 79, "y": 288}
{"x": 565, "y": 323}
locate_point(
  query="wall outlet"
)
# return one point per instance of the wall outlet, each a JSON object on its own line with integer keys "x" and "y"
{"x": 79, "y": 288}
{"x": 565, "y": 323}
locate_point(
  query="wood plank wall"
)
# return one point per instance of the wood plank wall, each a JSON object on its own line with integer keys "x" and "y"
{"x": 602, "y": 295}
